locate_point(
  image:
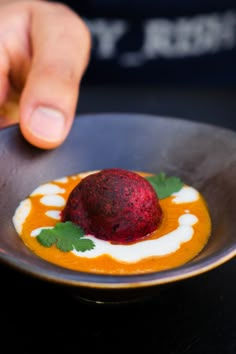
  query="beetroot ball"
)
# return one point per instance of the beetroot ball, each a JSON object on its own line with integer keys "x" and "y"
{"x": 114, "y": 204}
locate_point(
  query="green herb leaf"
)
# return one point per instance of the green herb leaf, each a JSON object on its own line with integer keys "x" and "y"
{"x": 67, "y": 236}
{"x": 164, "y": 185}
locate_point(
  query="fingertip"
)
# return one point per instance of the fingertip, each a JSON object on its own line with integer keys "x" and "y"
{"x": 45, "y": 127}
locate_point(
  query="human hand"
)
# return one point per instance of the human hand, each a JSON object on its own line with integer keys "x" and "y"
{"x": 44, "y": 51}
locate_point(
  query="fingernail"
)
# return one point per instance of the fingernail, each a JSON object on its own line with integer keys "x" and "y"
{"x": 47, "y": 123}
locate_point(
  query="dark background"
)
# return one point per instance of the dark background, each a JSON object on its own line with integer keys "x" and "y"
{"x": 212, "y": 105}
{"x": 196, "y": 315}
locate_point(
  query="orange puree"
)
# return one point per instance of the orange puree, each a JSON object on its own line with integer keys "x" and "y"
{"x": 107, "y": 264}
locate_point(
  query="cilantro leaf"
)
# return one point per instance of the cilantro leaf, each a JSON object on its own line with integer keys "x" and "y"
{"x": 164, "y": 185}
{"x": 66, "y": 236}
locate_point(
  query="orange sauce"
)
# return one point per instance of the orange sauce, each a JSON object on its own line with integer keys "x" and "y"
{"x": 105, "y": 264}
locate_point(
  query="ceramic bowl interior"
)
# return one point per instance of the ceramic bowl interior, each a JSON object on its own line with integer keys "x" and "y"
{"x": 203, "y": 155}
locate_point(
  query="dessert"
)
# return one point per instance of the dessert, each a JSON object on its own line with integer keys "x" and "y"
{"x": 47, "y": 222}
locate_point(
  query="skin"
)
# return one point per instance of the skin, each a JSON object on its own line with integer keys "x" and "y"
{"x": 44, "y": 51}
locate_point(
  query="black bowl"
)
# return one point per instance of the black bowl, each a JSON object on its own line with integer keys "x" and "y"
{"x": 203, "y": 155}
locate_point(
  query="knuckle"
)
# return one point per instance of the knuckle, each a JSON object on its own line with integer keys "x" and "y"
{"x": 61, "y": 72}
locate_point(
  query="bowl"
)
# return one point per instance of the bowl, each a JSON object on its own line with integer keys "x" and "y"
{"x": 203, "y": 155}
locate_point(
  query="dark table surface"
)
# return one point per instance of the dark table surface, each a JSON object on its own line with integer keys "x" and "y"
{"x": 196, "y": 315}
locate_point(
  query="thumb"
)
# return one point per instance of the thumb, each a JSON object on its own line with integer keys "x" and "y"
{"x": 60, "y": 53}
